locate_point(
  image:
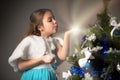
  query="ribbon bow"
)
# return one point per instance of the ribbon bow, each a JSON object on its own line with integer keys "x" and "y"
{"x": 82, "y": 62}
{"x": 66, "y": 75}
{"x": 118, "y": 67}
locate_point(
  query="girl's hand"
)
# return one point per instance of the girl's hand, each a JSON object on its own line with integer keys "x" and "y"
{"x": 26, "y": 64}
{"x": 68, "y": 32}
{"x": 48, "y": 58}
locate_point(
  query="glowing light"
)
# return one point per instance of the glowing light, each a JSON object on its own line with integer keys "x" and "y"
{"x": 75, "y": 28}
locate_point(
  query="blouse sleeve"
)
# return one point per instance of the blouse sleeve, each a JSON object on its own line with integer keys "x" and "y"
{"x": 19, "y": 52}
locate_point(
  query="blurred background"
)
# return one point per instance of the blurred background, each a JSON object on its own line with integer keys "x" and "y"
{"x": 14, "y": 20}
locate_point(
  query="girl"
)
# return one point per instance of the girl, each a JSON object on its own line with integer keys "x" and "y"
{"x": 36, "y": 55}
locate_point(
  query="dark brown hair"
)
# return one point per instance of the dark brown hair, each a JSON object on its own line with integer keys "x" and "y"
{"x": 36, "y": 19}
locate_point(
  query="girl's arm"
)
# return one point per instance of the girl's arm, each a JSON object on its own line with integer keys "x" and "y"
{"x": 26, "y": 64}
{"x": 63, "y": 50}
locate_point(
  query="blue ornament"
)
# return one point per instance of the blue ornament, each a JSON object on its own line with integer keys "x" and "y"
{"x": 77, "y": 70}
{"x": 116, "y": 32}
{"x": 88, "y": 65}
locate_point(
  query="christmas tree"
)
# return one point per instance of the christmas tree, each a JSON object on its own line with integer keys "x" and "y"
{"x": 97, "y": 56}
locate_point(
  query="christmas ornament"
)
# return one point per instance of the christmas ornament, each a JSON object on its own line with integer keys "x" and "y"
{"x": 77, "y": 70}
{"x": 114, "y": 23}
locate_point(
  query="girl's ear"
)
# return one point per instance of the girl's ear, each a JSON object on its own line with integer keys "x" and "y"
{"x": 40, "y": 28}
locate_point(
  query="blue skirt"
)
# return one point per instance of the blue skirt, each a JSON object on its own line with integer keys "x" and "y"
{"x": 39, "y": 74}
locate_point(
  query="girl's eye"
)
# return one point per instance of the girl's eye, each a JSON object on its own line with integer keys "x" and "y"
{"x": 50, "y": 20}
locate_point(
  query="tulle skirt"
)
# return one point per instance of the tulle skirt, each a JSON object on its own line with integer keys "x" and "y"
{"x": 39, "y": 74}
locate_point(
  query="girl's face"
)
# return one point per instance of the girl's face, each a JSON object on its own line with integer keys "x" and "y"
{"x": 49, "y": 24}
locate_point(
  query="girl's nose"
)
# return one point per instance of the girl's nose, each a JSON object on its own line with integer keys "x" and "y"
{"x": 55, "y": 21}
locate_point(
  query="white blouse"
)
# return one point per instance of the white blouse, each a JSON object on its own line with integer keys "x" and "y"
{"x": 30, "y": 47}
